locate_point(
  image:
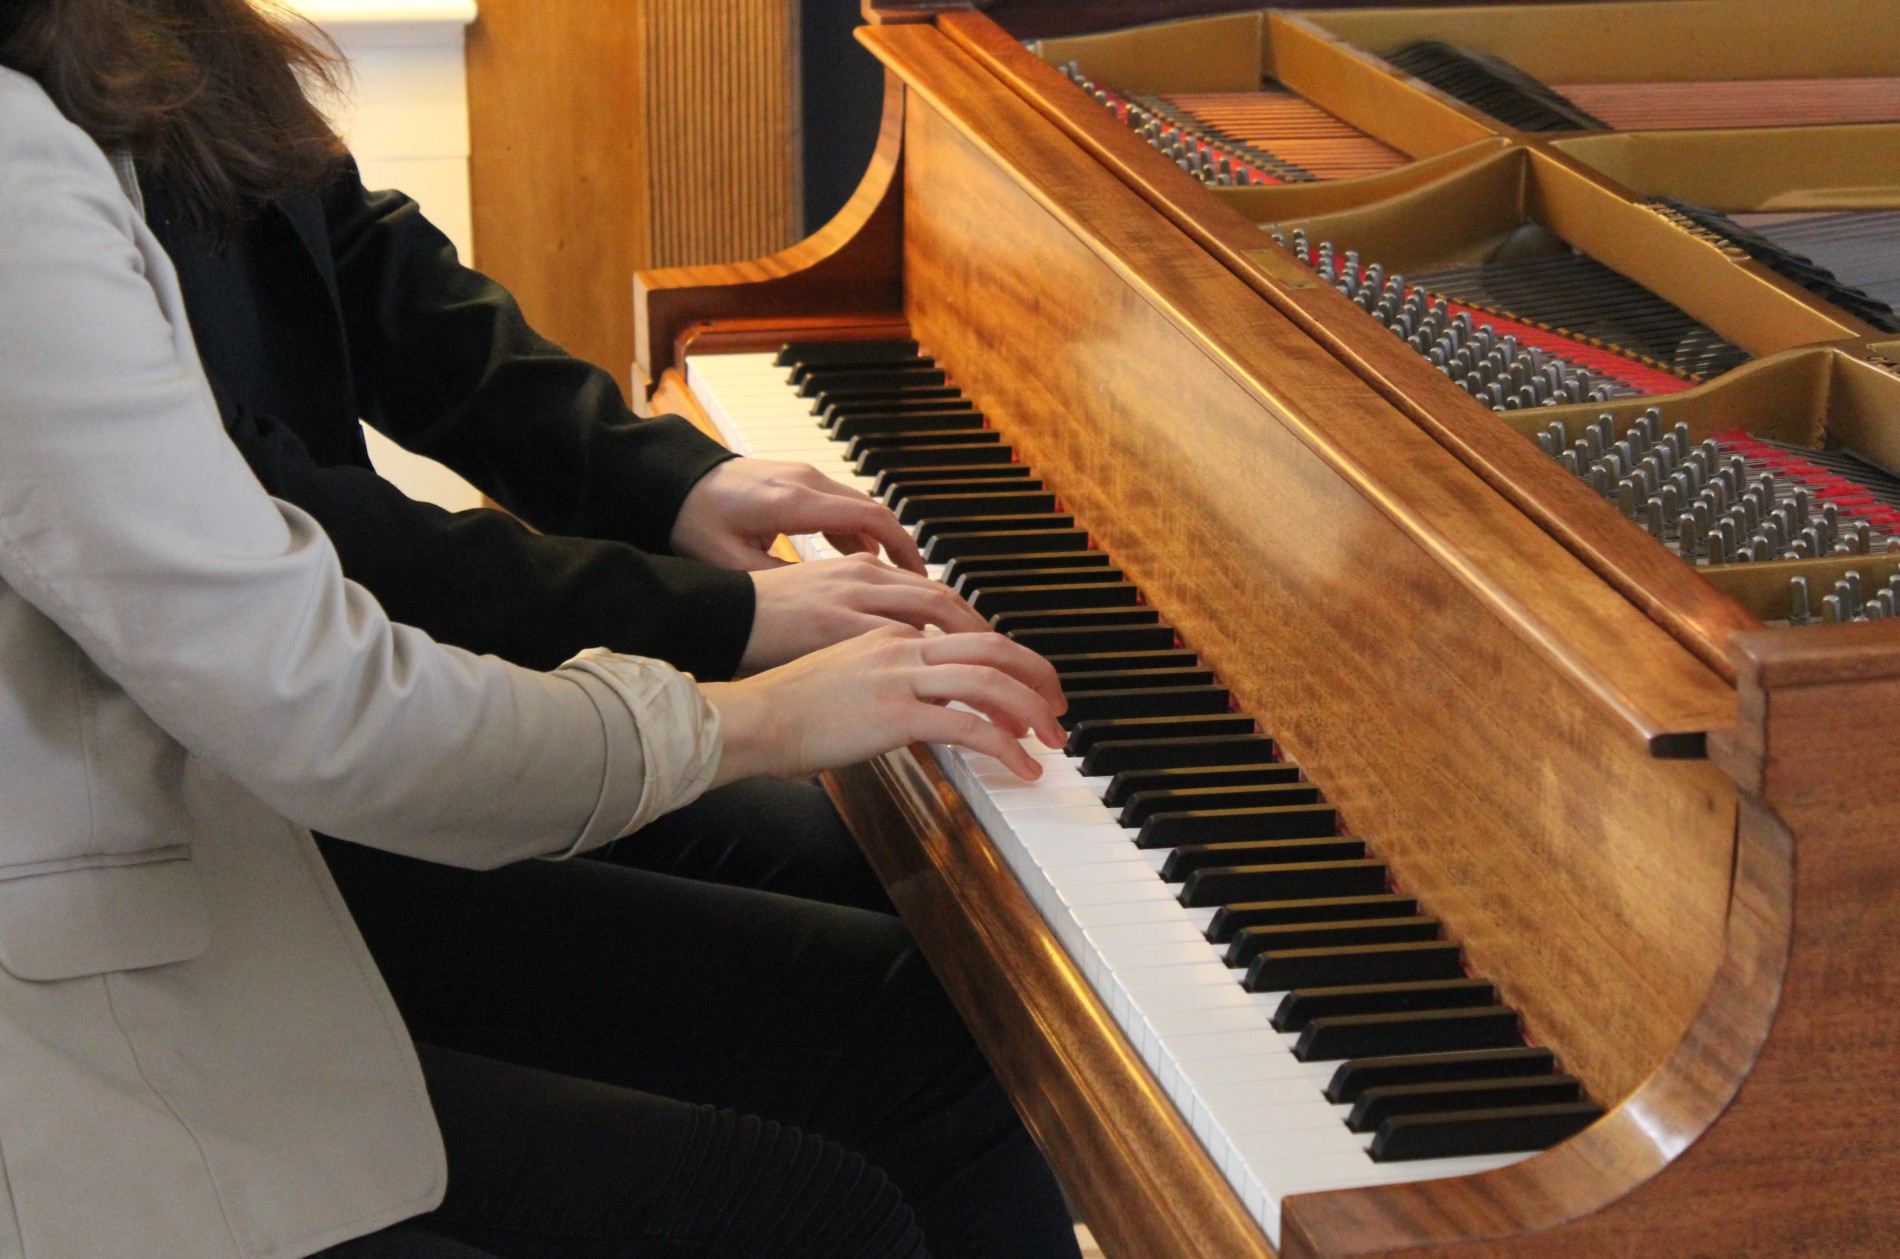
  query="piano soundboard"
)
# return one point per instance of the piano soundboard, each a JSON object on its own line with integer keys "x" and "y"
{"x": 1315, "y": 1029}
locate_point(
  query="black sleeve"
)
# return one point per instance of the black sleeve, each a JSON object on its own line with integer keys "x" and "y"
{"x": 446, "y": 366}
{"x": 480, "y": 580}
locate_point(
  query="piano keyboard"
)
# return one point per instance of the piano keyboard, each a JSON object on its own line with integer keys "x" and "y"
{"x": 1312, "y": 1026}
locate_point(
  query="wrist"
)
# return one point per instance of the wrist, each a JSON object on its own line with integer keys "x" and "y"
{"x": 751, "y": 744}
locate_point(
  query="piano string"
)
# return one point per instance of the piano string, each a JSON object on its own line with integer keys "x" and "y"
{"x": 1228, "y": 139}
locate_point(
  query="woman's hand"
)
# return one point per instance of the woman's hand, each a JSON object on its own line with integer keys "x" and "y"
{"x": 736, "y": 511}
{"x": 803, "y": 607}
{"x": 882, "y": 690}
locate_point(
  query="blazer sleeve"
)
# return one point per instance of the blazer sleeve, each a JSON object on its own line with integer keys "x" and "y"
{"x": 446, "y": 366}
{"x": 481, "y": 580}
{"x": 129, "y": 520}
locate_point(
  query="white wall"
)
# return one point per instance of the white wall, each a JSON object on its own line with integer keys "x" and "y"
{"x": 406, "y": 119}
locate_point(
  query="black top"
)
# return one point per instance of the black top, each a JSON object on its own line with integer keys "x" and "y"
{"x": 343, "y": 303}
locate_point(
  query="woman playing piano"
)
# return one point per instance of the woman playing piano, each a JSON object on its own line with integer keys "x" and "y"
{"x": 202, "y": 1059}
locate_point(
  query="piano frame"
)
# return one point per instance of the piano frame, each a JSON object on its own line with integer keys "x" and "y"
{"x": 1674, "y": 870}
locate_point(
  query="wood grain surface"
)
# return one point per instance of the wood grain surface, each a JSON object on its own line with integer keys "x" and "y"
{"x": 850, "y": 266}
{"x": 611, "y": 135}
{"x": 1699, "y": 616}
{"x": 1358, "y": 588}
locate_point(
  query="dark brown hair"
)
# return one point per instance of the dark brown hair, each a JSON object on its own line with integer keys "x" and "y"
{"x": 207, "y": 94}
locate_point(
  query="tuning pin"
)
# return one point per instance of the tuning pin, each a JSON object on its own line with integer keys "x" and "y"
{"x": 1832, "y": 612}
{"x": 1798, "y": 610}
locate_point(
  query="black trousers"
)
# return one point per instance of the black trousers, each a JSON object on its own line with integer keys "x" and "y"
{"x": 671, "y": 1062}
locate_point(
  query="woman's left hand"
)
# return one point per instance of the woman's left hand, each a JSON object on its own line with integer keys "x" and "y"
{"x": 736, "y": 511}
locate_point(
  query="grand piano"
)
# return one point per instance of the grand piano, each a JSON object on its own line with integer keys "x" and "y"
{"x": 1453, "y": 855}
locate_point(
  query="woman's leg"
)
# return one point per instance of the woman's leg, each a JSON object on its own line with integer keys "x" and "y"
{"x": 545, "y": 1166}
{"x": 816, "y": 1016}
{"x": 761, "y": 833}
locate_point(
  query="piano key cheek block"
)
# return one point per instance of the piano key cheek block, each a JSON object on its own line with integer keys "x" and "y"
{"x": 1464, "y": 546}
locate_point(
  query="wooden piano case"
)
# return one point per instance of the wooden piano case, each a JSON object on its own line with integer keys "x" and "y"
{"x": 1660, "y": 827}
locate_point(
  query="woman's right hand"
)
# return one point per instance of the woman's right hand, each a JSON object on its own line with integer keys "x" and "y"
{"x": 882, "y": 690}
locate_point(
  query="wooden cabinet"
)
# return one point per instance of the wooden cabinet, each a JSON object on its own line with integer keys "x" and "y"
{"x": 615, "y": 135}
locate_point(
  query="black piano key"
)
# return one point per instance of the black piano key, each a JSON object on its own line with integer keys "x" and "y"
{"x": 1226, "y": 826}
{"x": 1074, "y": 618}
{"x": 1188, "y": 858}
{"x": 869, "y": 443}
{"x": 1120, "y": 755}
{"x": 968, "y": 454}
{"x": 1227, "y": 885}
{"x": 1356, "y": 964}
{"x": 1014, "y": 480}
{"x": 941, "y": 507}
{"x": 1337, "y": 1036}
{"x": 829, "y": 415}
{"x": 847, "y": 427}
{"x": 928, "y": 530}
{"x": 1036, "y": 578}
{"x": 1145, "y": 804}
{"x": 963, "y": 566}
{"x": 898, "y": 376}
{"x": 1456, "y": 1134}
{"x": 799, "y": 354}
{"x": 992, "y": 599}
{"x": 1086, "y": 638}
{"x": 890, "y": 480}
{"x": 833, "y": 404}
{"x": 1250, "y": 942}
{"x": 1360, "y": 1074}
{"x": 1229, "y": 919}
{"x": 1125, "y": 787}
{"x": 1132, "y": 679}
{"x": 949, "y": 546}
{"x": 1085, "y": 736}
{"x": 1377, "y": 1105}
{"x": 1179, "y": 701}
{"x": 1303, "y": 1005}
{"x": 1105, "y": 661}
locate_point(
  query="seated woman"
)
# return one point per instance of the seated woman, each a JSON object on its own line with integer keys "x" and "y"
{"x": 201, "y": 1057}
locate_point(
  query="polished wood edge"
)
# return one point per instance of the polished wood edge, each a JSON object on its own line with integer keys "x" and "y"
{"x": 1859, "y": 652}
{"x": 1141, "y": 1180}
{"x": 1636, "y": 1146}
{"x": 1681, "y": 704}
{"x": 672, "y": 396}
{"x": 853, "y": 263}
{"x": 890, "y": 12}
{"x": 1668, "y": 591}
{"x": 736, "y": 336}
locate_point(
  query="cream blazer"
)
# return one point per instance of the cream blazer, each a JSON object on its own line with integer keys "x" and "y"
{"x": 197, "y": 1057}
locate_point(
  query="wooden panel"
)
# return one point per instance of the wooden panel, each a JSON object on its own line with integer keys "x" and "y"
{"x": 850, "y": 266}
{"x": 613, "y": 135}
{"x": 1126, "y": 1159}
{"x": 722, "y": 127}
{"x": 1329, "y": 571}
{"x": 1668, "y": 590}
{"x": 1800, "y": 1160}
{"x": 557, "y": 170}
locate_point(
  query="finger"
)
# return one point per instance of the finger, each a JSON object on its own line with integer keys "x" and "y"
{"x": 997, "y": 652}
{"x": 917, "y": 602}
{"x": 852, "y": 543}
{"x": 1003, "y": 699}
{"x": 967, "y": 730}
{"x": 860, "y": 517}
